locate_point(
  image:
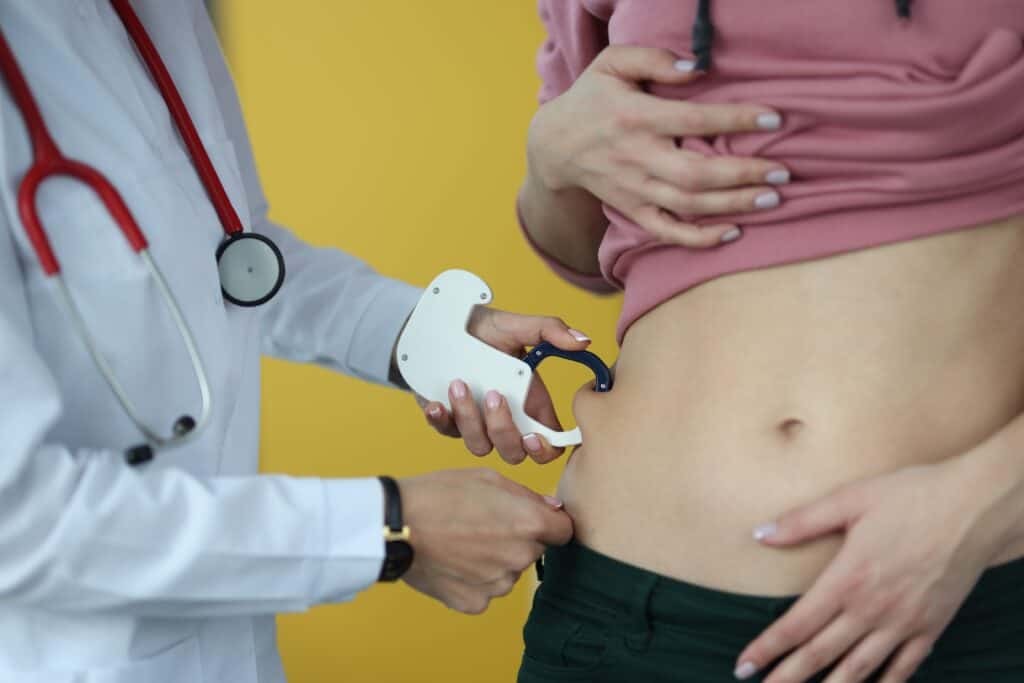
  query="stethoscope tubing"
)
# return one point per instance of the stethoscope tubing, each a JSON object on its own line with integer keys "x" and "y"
{"x": 179, "y": 112}
{"x": 49, "y": 162}
{"x": 151, "y": 436}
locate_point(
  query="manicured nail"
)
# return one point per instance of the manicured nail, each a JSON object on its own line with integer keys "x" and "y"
{"x": 768, "y": 200}
{"x": 492, "y": 399}
{"x": 434, "y": 412}
{"x": 459, "y": 389}
{"x": 731, "y": 236}
{"x": 769, "y": 121}
{"x": 765, "y": 530}
{"x": 779, "y": 176}
{"x": 578, "y": 336}
{"x": 684, "y": 65}
{"x": 532, "y": 443}
{"x": 554, "y": 502}
{"x": 745, "y": 670}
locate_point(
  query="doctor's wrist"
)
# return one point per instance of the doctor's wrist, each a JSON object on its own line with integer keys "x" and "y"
{"x": 398, "y": 551}
{"x": 394, "y": 374}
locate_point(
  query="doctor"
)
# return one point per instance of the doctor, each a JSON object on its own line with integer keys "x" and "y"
{"x": 137, "y": 542}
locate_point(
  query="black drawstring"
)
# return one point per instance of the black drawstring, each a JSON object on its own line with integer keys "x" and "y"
{"x": 703, "y": 34}
{"x": 704, "y": 31}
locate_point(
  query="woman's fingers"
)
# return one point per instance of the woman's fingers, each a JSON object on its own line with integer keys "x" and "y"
{"x": 831, "y": 513}
{"x": 867, "y": 656}
{"x": 640, "y": 64}
{"x": 816, "y": 608}
{"x": 908, "y": 658}
{"x": 715, "y": 203}
{"x": 689, "y": 171}
{"x": 668, "y": 228}
{"x": 818, "y": 653}
{"x": 674, "y": 118}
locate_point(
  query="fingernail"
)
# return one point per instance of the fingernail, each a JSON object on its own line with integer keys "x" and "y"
{"x": 731, "y": 236}
{"x": 459, "y": 388}
{"x": 745, "y": 670}
{"x": 765, "y": 530}
{"x": 578, "y": 336}
{"x": 532, "y": 443}
{"x": 779, "y": 176}
{"x": 769, "y": 121}
{"x": 684, "y": 65}
{"x": 492, "y": 399}
{"x": 768, "y": 200}
{"x": 434, "y": 411}
{"x": 554, "y": 502}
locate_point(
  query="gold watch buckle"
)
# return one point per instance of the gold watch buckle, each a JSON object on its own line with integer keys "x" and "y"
{"x": 391, "y": 535}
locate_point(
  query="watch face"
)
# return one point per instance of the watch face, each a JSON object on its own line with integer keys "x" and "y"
{"x": 398, "y": 560}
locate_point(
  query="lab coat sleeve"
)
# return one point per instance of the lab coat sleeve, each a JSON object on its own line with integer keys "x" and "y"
{"x": 80, "y": 531}
{"x": 333, "y": 309}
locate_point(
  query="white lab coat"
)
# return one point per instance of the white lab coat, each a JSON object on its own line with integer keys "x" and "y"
{"x": 170, "y": 572}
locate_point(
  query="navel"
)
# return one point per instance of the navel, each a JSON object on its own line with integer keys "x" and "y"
{"x": 790, "y": 427}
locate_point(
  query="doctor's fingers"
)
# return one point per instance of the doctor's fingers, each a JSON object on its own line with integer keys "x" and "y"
{"x": 501, "y": 429}
{"x": 540, "y": 407}
{"x": 476, "y": 598}
{"x": 468, "y": 419}
{"x": 510, "y": 332}
{"x": 547, "y": 523}
{"x": 440, "y": 419}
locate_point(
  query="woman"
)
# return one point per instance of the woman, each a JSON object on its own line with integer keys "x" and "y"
{"x": 845, "y": 375}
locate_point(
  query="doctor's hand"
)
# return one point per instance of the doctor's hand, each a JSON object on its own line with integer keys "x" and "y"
{"x": 474, "y": 532}
{"x": 610, "y": 137}
{"x": 916, "y": 541}
{"x": 493, "y": 427}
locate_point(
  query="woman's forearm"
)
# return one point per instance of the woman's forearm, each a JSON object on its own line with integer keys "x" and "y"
{"x": 566, "y": 224}
{"x": 993, "y": 474}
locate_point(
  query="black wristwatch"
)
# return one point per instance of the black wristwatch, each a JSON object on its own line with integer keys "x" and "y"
{"x": 398, "y": 552}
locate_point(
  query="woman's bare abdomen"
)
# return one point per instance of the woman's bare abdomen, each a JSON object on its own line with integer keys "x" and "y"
{"x": 756, "y": 392}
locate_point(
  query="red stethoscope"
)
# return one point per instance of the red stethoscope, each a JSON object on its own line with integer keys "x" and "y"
{"x": 250, "y": 265}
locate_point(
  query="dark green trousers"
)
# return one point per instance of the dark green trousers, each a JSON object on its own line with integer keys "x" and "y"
{"x": 599, "y": 620}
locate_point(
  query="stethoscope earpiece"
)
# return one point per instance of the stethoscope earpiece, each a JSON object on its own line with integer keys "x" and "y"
{"x": 183, "y": 425}
{"x": 138, "y": 455}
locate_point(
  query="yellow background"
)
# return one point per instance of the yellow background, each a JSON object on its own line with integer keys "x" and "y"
{"x": 394, "y": 129}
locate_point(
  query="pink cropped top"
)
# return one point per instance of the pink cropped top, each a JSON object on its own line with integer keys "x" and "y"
{"x": 900, "y": 120}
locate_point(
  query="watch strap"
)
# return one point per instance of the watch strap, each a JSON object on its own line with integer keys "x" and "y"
{"x": 398, "y": 552}
{"x": 392, "y": 504}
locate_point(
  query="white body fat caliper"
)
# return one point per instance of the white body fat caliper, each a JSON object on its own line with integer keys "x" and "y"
{"x": 435, "y": 349}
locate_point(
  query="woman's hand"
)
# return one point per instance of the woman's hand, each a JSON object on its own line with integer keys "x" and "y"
{"x": 494, "y": 428}
{"x": 607, "y": 136}
{"x": 916, "y": 542}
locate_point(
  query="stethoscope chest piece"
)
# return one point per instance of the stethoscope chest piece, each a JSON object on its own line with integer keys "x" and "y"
{"x": 251, "y": 268}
